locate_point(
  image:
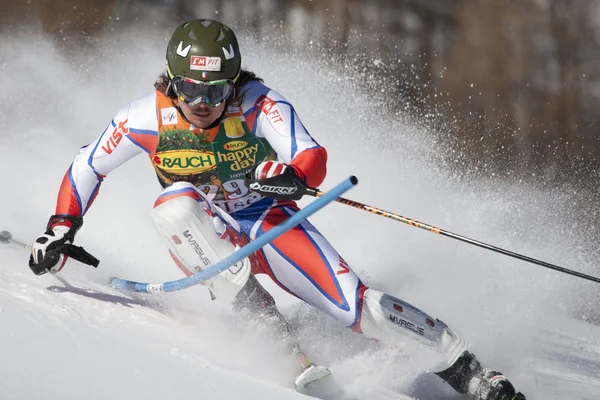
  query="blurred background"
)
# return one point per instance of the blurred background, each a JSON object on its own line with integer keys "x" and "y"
{"x": 477, "y": 116}
{"x": 512, "y": 87}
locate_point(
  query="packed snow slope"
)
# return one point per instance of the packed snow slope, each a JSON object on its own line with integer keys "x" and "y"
{"x": 72, "y": 337}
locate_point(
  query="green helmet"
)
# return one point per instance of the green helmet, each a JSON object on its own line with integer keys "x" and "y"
{"x": 204, "y": 50}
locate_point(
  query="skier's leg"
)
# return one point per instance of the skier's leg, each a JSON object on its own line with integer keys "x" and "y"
{"x": 457, "y": 366}
{"x": 198, "y": 235}
{"x": 304, "y": 263}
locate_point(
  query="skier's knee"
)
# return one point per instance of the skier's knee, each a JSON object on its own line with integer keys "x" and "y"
{"x": 194, "y": 235}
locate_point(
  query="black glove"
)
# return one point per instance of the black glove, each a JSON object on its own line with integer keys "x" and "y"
{"x": 276, "y": 180}
{"x": 46, "y": 253}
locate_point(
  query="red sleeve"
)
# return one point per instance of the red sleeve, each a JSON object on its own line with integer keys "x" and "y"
{"x": 69, "y": 200}
{"x": 67, "y": 203}
{"x": 311, "y": 165}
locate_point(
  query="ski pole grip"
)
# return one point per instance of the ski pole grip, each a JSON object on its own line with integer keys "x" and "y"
{"x": 51, "y": 259}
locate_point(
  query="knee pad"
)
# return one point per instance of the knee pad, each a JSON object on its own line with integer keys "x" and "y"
{"x": 189, "y": 228}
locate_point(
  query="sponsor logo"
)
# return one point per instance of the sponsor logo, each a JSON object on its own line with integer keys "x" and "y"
{"x": 202, "y": 63}
{"x": 169, "y": 116}
{"x": 239, "y": 159}
{"x": 398, "y": 307}
{"x": 116, "y": 136}
{"x": 185, "y": 161}
{"x": 344, "y": 267}
{"x": 408, "y": 325}
{"x": 271, "y": 109}
{"x": 238, "y": 175}
{"x": 196, "y": 247}
{"x": 273, "y": 189}
{"x": 235, "y": 145}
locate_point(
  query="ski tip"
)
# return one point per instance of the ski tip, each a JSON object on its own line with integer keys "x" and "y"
{"x": 5, "y": 237}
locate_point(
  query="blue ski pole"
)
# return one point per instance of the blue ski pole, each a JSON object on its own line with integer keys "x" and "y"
{"x": 242, "y": 253}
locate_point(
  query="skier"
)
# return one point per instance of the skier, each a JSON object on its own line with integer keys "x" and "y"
{"x": 210, "y": 129}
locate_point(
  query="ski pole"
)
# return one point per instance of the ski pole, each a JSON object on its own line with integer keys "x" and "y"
{"x": 6, "y": 238}
{"x": 412, "y": 222}
{"x": 243, "y": 252}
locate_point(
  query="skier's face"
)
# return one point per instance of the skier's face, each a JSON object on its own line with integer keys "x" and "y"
{"x": 200, "y": 115}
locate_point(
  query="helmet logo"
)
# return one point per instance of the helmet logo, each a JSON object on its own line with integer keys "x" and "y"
{"x": 181, "y": 51}
{"x": 228, "y": 54}
{"x": 202, "y": 63}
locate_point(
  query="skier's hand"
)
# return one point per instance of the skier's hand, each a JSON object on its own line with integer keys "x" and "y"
{"x": 276, "y": 180}
{"x": 45, "y": 253}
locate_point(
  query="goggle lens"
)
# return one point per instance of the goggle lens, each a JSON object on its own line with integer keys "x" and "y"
{"x": 194, "y": 92}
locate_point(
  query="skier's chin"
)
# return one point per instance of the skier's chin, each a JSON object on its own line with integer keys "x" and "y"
{"x": 202, "y": 121}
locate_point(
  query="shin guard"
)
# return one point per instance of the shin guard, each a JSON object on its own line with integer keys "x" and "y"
{"x": 389, "y": 320}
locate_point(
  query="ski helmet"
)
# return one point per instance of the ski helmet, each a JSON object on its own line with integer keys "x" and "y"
{"x": 204, "y": 50}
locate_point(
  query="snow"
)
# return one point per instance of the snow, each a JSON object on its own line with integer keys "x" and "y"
{"x": 71, "y": 336}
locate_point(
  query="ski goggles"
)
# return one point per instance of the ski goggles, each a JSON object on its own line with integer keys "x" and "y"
{"x": 194, "y": 92}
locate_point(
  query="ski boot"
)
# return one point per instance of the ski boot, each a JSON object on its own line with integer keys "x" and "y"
{"x": 492, "y": 385}
{"x": 466, "y": 376}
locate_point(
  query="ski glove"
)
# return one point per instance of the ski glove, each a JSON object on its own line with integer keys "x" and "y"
{"x": 46, "y": 252}
{"x": 276, "y": 180}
